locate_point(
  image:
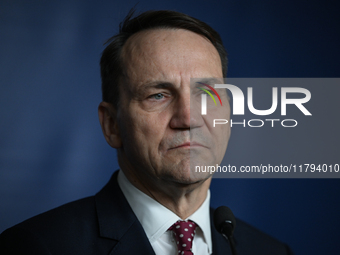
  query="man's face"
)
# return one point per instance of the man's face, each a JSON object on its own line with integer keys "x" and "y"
{"x": 159, "y": 118}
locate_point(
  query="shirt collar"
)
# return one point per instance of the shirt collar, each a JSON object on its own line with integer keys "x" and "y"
{"x": 155, "y": 218}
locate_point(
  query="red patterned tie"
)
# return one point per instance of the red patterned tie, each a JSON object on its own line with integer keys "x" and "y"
{"x": 184, "y": 232}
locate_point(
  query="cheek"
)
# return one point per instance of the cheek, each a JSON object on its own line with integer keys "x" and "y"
{"x": 148, "y": 128}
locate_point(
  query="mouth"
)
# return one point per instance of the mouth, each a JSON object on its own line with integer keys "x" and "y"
{"x": 188, "y": 145}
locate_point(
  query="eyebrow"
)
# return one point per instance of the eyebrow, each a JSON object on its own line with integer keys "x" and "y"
{"x": 153, "y": 85}
{"x": 166, "y": 85}
{"x": 157, "y": 85}
{"x": 209, "y": 81}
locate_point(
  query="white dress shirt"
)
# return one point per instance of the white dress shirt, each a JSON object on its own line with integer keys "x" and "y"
{"x": 156, "y": 219}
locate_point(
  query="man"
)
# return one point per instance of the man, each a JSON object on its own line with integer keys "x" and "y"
{"x": 150, "y": 115}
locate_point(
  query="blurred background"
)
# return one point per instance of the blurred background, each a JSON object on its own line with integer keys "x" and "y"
{"x": 52, "y": 150}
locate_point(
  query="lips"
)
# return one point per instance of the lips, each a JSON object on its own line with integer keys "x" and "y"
{"x": 187, "y": 145}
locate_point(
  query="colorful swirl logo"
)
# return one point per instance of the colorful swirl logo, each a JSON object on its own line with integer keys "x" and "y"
{"x": 204, "y": 97}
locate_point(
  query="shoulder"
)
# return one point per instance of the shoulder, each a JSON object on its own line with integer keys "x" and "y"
{"x": 79, "y": 227}
{"x": 74, "y": 213}
{"x": 92, "y": 225}
{"x": 52, "y": 228}
{"x": 249, "y": 239}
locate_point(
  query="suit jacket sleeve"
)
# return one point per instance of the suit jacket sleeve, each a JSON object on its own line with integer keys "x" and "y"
{"x": 17, "y": 240}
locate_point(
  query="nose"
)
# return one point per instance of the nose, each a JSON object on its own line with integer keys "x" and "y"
{"x": 186, "y": 115}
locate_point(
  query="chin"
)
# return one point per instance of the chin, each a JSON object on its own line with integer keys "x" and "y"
{"x": 189, "y": 177}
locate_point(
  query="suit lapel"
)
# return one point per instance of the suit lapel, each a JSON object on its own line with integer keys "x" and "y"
{"x": 118, "y": 222}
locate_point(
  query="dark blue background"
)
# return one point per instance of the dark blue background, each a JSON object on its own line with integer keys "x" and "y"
{"x": 51, "y": 147}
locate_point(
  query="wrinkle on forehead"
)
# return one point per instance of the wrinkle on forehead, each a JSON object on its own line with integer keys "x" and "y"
{"x": 168, "y": 54}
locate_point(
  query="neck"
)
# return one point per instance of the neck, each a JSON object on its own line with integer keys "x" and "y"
{"x": 182, "y": 199}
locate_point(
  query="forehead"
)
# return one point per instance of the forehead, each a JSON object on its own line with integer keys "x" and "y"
{"x": 169, "y": 54}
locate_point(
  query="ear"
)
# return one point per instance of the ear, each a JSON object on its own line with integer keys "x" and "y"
{"x": 108, "y": 121}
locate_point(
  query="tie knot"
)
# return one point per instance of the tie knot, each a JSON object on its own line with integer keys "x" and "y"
{"x": 184, "y": 232}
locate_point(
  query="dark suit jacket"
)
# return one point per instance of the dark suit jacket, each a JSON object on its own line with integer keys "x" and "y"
{"x": 106, "y": 224}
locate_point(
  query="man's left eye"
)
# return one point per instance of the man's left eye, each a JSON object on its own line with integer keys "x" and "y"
{"x": 158, "y": 96}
